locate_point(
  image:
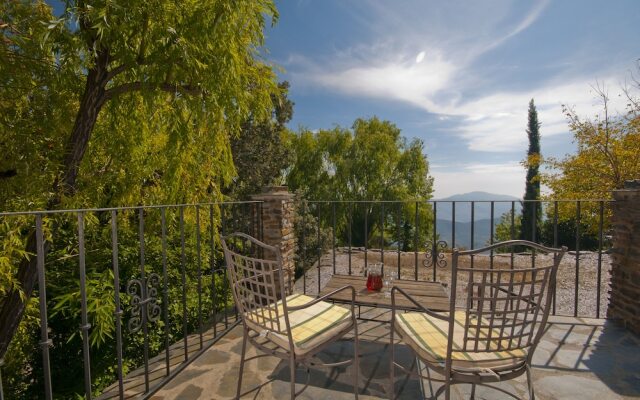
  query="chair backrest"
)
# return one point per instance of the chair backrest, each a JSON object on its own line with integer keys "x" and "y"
{"x": 256, "y": 277}
{"x": 506, "y": 306}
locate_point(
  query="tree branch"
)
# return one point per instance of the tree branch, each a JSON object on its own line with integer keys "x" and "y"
{"x": 118, "y": 70}
{"x": 8, "y": 173}
{"x": 138, "y": 86}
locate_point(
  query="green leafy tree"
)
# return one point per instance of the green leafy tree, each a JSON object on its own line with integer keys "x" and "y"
{"x": 371, "y": 161}
{"x": 531, "y": 208}
{"x": 508, "y": 227}
{"x": 259, "y": 152}
{"x": 117, "y": 104}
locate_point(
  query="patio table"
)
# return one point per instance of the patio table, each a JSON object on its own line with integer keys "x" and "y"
{"x": 431, "y": 295}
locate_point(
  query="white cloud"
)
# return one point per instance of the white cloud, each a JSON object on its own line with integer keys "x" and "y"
{"x": 441, "y": 77}
{"x": 404, "y": 80}
{"x": 504, "y": 178}
{"x": 496, "y": 122}
{"x": 527, "y": 21}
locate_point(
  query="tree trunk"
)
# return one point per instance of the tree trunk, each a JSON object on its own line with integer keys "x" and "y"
{"x": 91, "y": 103}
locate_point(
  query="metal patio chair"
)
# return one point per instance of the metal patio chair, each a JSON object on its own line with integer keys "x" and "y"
{"x": 492, "y": 337}
{"x": 292, "y": 327}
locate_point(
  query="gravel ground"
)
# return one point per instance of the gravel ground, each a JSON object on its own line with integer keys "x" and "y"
{"x": 586, "y": 265}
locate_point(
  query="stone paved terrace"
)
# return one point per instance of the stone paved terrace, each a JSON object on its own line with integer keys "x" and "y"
{"x": 577, "y": 359}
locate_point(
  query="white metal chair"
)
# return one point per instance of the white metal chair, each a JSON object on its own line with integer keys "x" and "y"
{"x": 492, "y": 337}
{"x": 292, "y": 327}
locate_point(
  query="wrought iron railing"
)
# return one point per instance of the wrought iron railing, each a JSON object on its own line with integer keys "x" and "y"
{"x": 415, "y": 237}
{"x": 162, "y": 275}
{"x": 134, "y": 292}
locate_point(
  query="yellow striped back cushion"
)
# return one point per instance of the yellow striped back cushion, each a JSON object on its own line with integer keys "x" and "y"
{"x": 307, "y": 323}
{"x": 428, "y": 336}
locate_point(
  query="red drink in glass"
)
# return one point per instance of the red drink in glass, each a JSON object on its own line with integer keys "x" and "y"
{"x": 370, "y": 282}
{"x": 374, "y": 277}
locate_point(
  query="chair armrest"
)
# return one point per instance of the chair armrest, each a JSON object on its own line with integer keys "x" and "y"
{"x": 325, "y": 297}
{"x": 412, "y": 300}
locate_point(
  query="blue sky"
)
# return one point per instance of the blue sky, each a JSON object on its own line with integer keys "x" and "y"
{"x": 456, "y": 74}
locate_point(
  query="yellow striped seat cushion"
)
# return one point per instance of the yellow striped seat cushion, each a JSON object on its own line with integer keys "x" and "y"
{"x": 427, "y": 336}
{"x": 310, "y": 326}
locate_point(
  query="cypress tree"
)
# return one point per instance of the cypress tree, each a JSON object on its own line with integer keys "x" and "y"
{"x": 532, "y": 211}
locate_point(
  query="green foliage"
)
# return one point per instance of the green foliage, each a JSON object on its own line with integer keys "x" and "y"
{"x": 169, "y": 85}
{"x": 370, "y": 162}
{"x": 183, "y": 78}
{"x": 13, "y": 245}
{"x": 100, "y": 305}
{"x": 259, "y": 151}
{"x": 24, "y": 347}
{"x": 38, "y": 100}
{"x": 507, "y": 228}
{"x": 313, "y": 237}
{"x": 565, "y": 235}
{"x": 532, "y": 210}
{"x": 64, "y": 299}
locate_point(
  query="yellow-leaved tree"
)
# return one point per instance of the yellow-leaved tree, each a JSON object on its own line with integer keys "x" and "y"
{"x": 608, "y": 154}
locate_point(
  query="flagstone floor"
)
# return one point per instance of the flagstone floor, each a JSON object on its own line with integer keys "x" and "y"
{"x": 576, "y": 359}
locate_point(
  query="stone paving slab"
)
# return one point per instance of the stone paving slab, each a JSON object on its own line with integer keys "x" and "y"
{"x": 576, "y": 359}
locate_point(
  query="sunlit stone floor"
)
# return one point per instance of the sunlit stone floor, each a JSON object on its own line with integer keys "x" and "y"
{"x": 576, "y": 359}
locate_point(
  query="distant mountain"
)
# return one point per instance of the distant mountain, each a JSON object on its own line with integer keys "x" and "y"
{"x": 481, "y": 232}
{"x": 482, "y": 206}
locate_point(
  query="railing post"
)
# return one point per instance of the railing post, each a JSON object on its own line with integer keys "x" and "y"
{"x": 85, "y": 326}
{"x": 1, "y": 388}
{"x": 365, "y": 205}
{"x": 435, "y": 233}
{"x": 350, "y": 224}
{"x": 183, "y": 274}
{"x": 600, "y": 242}
{"x": 398, "y": 234}
{"x": 278, "y": 213}
{"x": 625, "y": 257}
{"x": 199, "y": 265}
{"x": 118, "y": 311}
{"x": 45, "y": 342}
{"x": 577, "y": 281}
{"x": 333, "y": 234}
{"x": 212, "y": 265}
{"x": 319, "y": 239}
{"x": 415, "y": 243}
{"x": 382, "y": 218}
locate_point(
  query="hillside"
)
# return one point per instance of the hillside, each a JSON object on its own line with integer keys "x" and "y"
{"x": 482, "y": 207}
{"x": 481, "y": 234}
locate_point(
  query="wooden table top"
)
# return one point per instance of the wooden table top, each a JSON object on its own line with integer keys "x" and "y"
{"x": 431, "y": 295}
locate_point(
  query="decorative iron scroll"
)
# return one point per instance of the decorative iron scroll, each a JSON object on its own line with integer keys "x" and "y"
{"x": 144, "y": 301}
{"x": 435, "y": 255}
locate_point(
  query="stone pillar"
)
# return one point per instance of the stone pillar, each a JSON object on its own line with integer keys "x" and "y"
{"x": 278, "y": 210}
{"x": 624, "y": 302}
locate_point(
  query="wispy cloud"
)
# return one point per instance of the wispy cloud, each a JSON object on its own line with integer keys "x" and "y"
{"x": 413, "y": 59}
{"x": 402, "y": 79}
{"x": 527, "y": 21}
{"x": 506, "y": 178}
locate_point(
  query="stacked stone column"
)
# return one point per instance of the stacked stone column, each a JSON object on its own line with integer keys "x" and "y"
{"x": 624, "y": 303}
{"x": 278, "y": 211}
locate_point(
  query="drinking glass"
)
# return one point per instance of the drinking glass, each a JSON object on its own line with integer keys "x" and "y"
{"x": 374, "y": 277}
{"x": 389, "y": 277}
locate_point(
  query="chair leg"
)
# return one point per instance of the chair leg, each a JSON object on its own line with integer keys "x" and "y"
{"x": 532, "y": 395}
{"x": 473, "y": 391}
{"x": 292, "y": 371}
{"x": 447, "y": 389}
{"x": 244, "y": 349}
{"x": 392, "y": 366}
{"x": 356, "y": 359}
